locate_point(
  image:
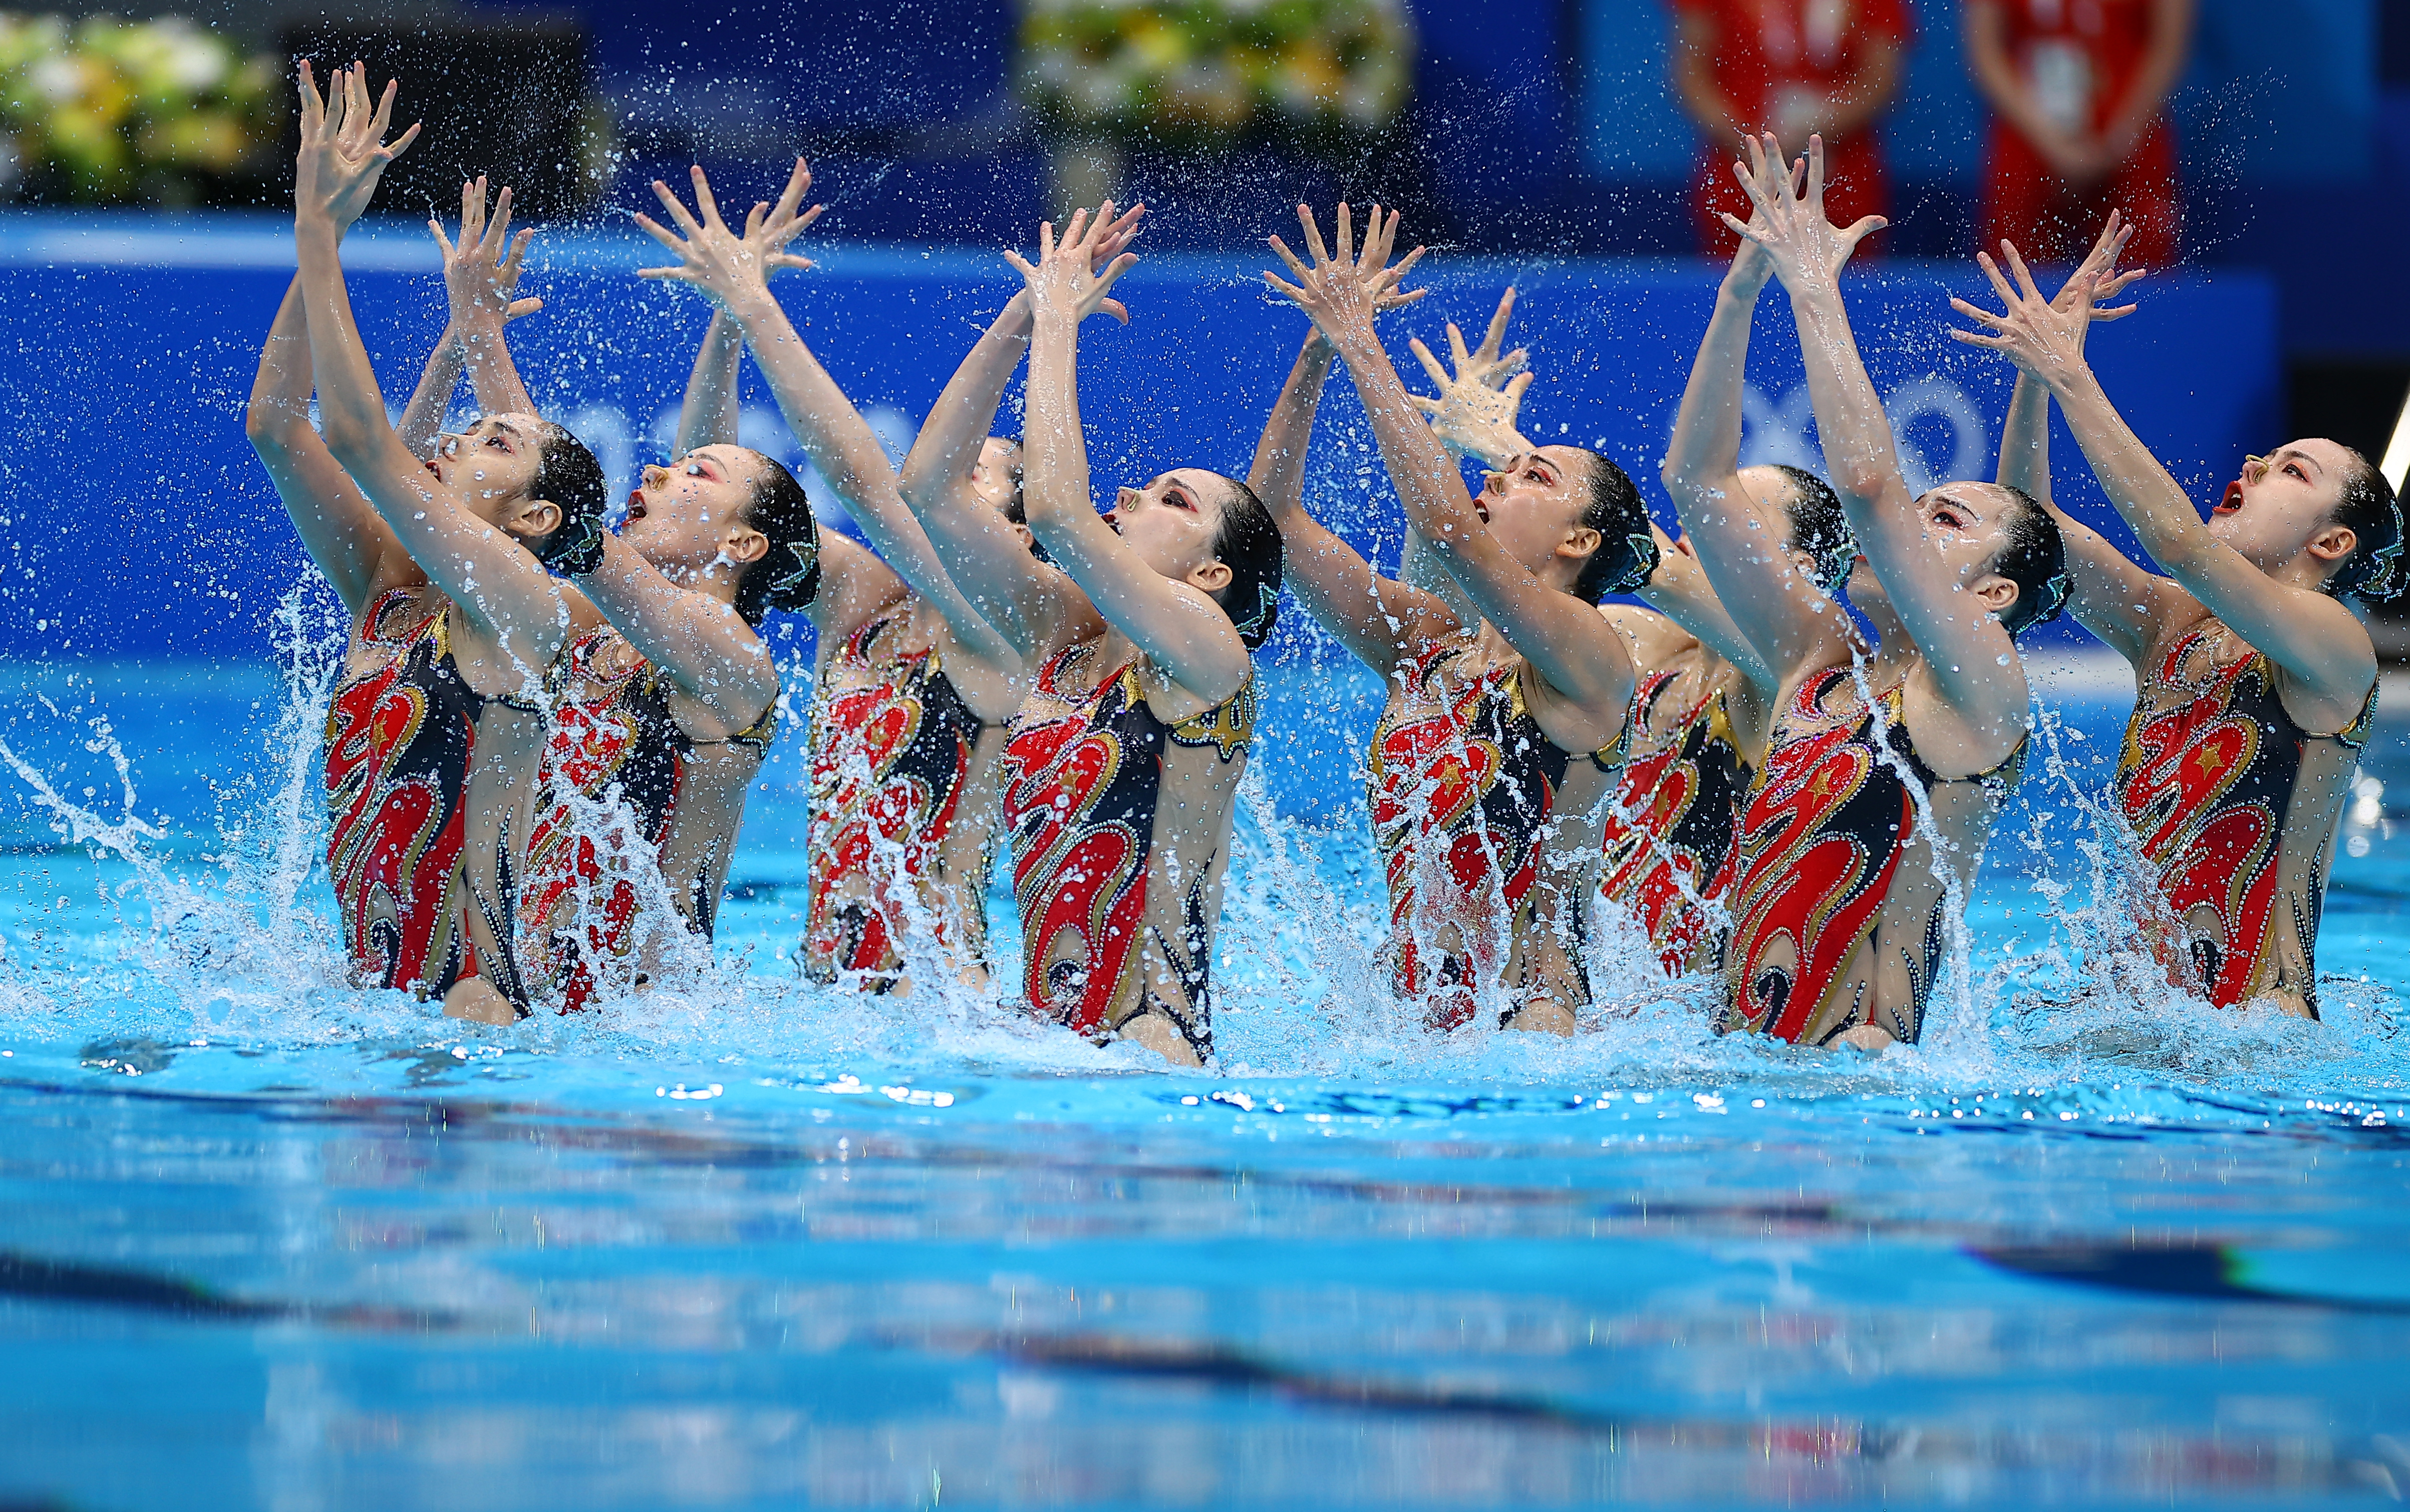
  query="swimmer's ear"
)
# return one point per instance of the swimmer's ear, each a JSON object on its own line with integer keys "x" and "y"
{"x": 536, "y": 520}
{"x": 1028, "y": 537}
{"x": 1995, "y": 593}
{"x": 745, "y": 544}
{"x": 1212, "y": 577}
{"x": 2333, "y": 543}
{"x": 1579, "y": 543}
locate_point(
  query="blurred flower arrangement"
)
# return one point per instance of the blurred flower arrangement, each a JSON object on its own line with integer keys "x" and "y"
{"x": 1166, "y": 71}
{"x": 111, "y": 111}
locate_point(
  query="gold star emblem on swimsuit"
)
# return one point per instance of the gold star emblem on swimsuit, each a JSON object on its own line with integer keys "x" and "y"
{"x": 2209, "y": 761}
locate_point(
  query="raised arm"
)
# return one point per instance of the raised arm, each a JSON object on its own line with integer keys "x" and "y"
{"x": 1969, "y": 655}
{"x": 2313, "y": 635}
{"x": 476, "y": 270}
{"x": 337, "y": 526}
{"x": 733, "y": 272}
{"x": 1184, "y": 634}
{"x": 1381, "y": 622}
{"x": 1573, "y": 650}
{"x": 707, "y": 416}
{"x": 2108, "y": 595}
{"x": 1474, "y": 416}
{"x": 1789, "y": 621}
{"x": 422, "y": 419}
{"x": 495, "y": 581}
{"x": 936, "y": 473}
{"x": 481, "y": 279}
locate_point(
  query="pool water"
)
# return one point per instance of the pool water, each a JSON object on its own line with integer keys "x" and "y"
{"x": 269, "y": 1242}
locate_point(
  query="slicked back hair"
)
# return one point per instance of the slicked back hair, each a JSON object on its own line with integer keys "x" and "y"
{"x": 2374, "y": 570}
{"x": 787, "y": 574}
{"x": 1626, "y": 554}
{"x": 1818, "y": 527}
{"x": 1249, "y": 544}
{"x": 567, "y": 475}
{"x": 2035, "y": 559}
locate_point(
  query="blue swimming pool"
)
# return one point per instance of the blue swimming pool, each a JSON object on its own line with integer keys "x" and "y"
{"x": 268, "y": 1243}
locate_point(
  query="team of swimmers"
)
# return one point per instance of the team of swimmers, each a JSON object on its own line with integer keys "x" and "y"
{"x": 538, "y": 753}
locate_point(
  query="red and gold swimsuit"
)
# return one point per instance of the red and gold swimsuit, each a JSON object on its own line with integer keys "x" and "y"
{"x": 2236, "y": 807}
{"x": 1121, "y": 832}
{"x": 398, "y": 748}
{"x": 1822, "y": 843}
{"x": 1671, "y": 843}
{"x": 1474, "y": 822}
{"x": 899, "y": 763}
{"x": 616, "y": 793}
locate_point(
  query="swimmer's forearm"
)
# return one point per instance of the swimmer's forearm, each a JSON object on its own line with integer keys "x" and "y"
{"x": 701, "y": 643}
{"x": 938, "y": 467}
{"x": 1054, "y": 448}
{"x": 1706, "y": 430}
{"x": 1277, "y": 476}
{"x": 708, "y": 415}
{"x": 493, "y": 377}
{"x": 833, "y": 433}
{"x": 422, "y": 419}
{"x": 1850, "y": 419}
{"x": 280, "y": 391}
{"x": 2024, "y": 440}
{"x": 351, "y": 411}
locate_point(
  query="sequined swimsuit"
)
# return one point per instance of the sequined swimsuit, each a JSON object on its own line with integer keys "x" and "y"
{"x": 1670, "y": 846}
{"x": 1486, "y": 834}
{"x": 1822, "y": 843}
{"x": 420, "y": 772}
{"x": 2236, "y": 806}
{"x": 1121, "y": 832}
{"x": 903, "y": 811}
{"x": 617, "y": 794}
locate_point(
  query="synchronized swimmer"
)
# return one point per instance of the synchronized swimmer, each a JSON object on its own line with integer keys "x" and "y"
{"x": 1781, "y": 767}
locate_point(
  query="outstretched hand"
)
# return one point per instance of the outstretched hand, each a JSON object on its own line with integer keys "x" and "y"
{"x": 768, "y": 228}
{"x": 481, "y": 271}
{"x": 1476, "y": 411}
{"x": 2096, "y": 280}
{"x": 2045, "y": 337}
{"x": 1787, "y": 219}
{"x": 1343, "y": 294}
{"x": 1073, "y": 276}
{"x": 343, "y": 151}
{"x": 725, "y": 266}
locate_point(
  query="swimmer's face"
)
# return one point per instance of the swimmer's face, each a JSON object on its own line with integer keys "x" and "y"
{"x": 492, "y": 465}
{"x": 1967, "y": 524}
{"x": 1534, "y": 506}
{"x": 1172, "y": 524}
{"x": 996, "y": 479}
{"x": 2282, "y": 500}
{"x": 692, "y": 514}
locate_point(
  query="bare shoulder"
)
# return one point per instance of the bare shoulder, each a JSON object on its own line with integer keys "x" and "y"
{"x": 1654, "y": 638}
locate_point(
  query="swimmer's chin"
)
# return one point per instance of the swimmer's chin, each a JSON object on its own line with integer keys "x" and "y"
{"x": 1867, "y": 1040}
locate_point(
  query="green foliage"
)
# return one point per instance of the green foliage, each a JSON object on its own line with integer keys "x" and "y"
{"x": 1166, "y": 71}
{"x": 111, "y": 111}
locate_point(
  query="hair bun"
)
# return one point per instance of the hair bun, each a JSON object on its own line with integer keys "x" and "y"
{"x": 799, "y": 583}
{"x": 574, "y": 548}
{"x": 1644, "y": 557}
